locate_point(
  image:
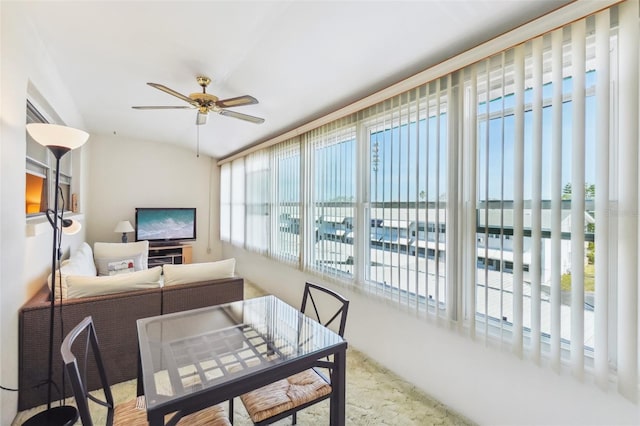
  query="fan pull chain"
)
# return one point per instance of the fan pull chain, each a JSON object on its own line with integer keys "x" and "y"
{"x": 198, "y": 141}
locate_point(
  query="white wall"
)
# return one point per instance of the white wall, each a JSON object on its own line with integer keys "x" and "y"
{"x": 109, "y": 185}
{"x": 485, "y": 384}
{"x": 125, "y": 174}
{"x": 24, "y": 260}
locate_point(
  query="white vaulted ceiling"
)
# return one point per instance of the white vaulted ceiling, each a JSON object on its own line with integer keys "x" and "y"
{"x": 300, "y": 59}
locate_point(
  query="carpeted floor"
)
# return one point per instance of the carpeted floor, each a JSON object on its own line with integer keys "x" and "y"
{"x": 375, "y": 396}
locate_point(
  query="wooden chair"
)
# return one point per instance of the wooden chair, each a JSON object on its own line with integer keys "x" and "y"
{"x": 288, "y": 396}
{"x": 131, "y": 413}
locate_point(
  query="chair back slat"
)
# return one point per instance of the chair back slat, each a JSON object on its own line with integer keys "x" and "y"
{"x": 86, "y": 330}
{"x": 327, "y": 309}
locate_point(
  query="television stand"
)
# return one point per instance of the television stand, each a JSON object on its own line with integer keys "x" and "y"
{"x": 170, "y": 254}
{"x": 163, "y": 244}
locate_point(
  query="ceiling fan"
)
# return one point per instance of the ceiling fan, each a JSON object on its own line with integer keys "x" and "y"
{"x": 205, "y": 103}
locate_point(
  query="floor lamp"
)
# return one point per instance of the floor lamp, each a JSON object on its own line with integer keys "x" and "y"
{"x": 59, "y": 140}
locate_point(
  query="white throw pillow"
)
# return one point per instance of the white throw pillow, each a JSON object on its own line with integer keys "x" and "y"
{"x": 119, "y": 265}
{"x": 80, "y": 263}
{"x": 83, "y": 286}
{"x": 120, "y": 250}
{"x": 194, "y": 272}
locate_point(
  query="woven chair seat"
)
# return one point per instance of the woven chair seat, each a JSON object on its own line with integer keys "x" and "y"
{"x": 288, "y": 396}
{"x": 133, "y": 413}
{"x": 285, "y": 394}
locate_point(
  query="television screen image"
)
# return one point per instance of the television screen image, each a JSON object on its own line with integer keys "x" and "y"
{"x": 165, "y": 224}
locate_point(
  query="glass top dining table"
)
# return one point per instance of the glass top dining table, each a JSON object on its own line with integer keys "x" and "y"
{"x": 194, "y": 359}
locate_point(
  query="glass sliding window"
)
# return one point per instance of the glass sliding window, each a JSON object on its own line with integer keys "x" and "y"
{"x": 257, "y": 184}
{"x": 331, "y": 195}
{"x": 238, "y": 202}
{"x": 495, "y": 179}
{"x": 407, "y": 141}
{"x": 285, "y": 196}
{"x": 225, "y": 202}
{"x": 535, "y": 235}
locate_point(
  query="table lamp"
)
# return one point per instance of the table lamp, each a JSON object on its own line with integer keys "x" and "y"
{"x": 59, "y": 140}
{"x": 124, "y": 226}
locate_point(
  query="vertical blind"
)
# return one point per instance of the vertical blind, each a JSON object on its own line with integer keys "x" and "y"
{"x": 257, "y": 201}
{"x": 329, "y": 194}
{"x": 502, "y": 197}
{"x": 237, "y": 213}
{"x": 225, "y": 202}
{"x": 405, "y": 193}
{"x": 557, "y": 177}
{"x": 626, "y": 199}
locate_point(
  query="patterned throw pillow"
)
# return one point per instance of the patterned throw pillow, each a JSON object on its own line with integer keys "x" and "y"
{"x": 123, "y": 266}
{"x": 107, "y": 266}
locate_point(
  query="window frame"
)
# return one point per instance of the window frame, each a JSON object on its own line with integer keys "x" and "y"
{"x": 47, "y": 165}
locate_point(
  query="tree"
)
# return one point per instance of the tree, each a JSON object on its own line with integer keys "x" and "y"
{"x": 589, "y": 194}
{"x": 566, "y": 191}
{"x": 589, "y": 191}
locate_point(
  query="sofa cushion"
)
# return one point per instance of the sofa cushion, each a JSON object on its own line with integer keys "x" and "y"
{"x": 79, "y": 263}
{"x": 119, "y": 264}
{"x": 119, "y": 250}
{"x": 84, "y": 286}
{"x": 194, "y": 272}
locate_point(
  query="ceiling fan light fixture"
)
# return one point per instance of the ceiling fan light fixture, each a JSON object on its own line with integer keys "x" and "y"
{"x": 201, "y": 118}
{"x": 205, "y": 102}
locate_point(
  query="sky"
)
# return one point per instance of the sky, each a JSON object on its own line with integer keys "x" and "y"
{"x": 409, "y": 162}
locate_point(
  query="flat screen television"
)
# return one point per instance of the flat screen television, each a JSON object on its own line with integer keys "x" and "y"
{"x": 162, "y": 226}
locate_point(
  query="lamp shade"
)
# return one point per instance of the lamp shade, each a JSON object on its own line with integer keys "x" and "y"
{"x": 71, "y": 227}
{"x": 55, "y": 135}
{"x": 124, "y": 226}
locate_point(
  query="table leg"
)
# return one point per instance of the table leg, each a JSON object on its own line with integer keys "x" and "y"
{"x": 155, "y": 419}
{"x": 140, "y": 386}
{"x": 338, "y": 383}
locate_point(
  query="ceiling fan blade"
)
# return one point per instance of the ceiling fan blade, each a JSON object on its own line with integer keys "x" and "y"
{"x": 238, "y": 101}
{"x": 162, "y": 107}
{"x": 201, "y": 118}
{"x": 174, "y": 93}
{"x": 245, "y": 117}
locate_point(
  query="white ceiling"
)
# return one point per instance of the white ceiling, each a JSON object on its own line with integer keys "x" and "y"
{"x": 300, "y": 59}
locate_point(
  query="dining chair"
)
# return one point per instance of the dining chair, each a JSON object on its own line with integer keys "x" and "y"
{"x": 130, "y": 413}
{"x": 288, "y": 396}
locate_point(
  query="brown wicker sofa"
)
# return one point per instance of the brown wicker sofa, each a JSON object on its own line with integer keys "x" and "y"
{"x": 114, "y": 316}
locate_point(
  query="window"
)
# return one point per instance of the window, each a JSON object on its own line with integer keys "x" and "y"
{"x": 500, "y": 197}
{"x": 285, "y": 173}
{"x": 40, "y": 172}
{"x": 258, "y": 193}
{"x": 36, "y": 194}
{"x": 407, "y": 141}
{"x": 238, "y": 202}
{"x": 524, "y": 192}
{"x": 330, "y": 197}
{"x": 225, "y": 202}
